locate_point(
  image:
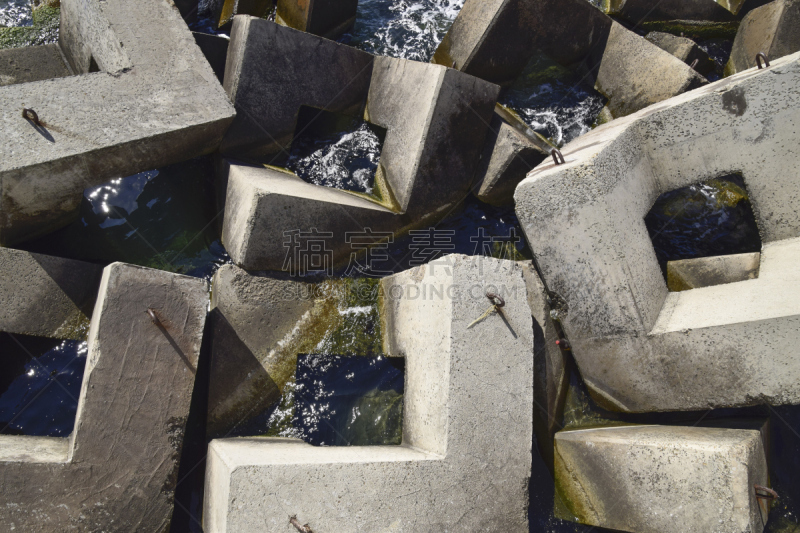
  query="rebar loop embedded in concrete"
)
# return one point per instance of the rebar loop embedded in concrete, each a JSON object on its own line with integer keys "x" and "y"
{"x": 557, "y": 156}
{"x": 31, "y": 115}
{"x": 770, "y": 494}
{"x": 153, "y": 316}
{"x": 694, "y": 63}
{"x": 302, "y": 529}
{"x": 759, "y": 57}
{"x": 496, "y": 300}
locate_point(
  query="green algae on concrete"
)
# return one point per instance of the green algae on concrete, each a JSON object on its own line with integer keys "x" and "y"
{"x": 44, "y": 30}
{"x": 693, "y": 29}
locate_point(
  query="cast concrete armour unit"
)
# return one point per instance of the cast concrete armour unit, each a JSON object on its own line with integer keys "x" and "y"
{"x": 447, "y": 475}
{"x": 663, "y": 479}
{"x": 684, "y": 49}
{"x": 118, "y": 469}
{"x": 773, "y": 29}
{"x": 46, "y": 296}
{"x": 638, "y": 11}
{"x": 708, "y": 271}
{"x": 495, "y": 40}
{"x": 155, "y": 102}
{"x": 328, "y": 18}
{"x": 639, "y": 347}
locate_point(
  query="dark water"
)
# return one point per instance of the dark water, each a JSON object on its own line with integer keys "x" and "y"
{"x": 15, "y": 13}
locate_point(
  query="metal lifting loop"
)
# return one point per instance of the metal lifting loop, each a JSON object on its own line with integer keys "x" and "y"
{"x": 495, "y": 299}
{"x": 694, "y": 63}
{"x": 759, "y": 57}
{"x": 31, "y": 115}
{"x": 557, "y": 157}
{"x": 764, "y": 493}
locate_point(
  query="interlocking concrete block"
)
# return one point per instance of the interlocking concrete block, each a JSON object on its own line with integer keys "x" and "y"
{"x": 251, "y": 319}
{"x": 639, "y": 347}
{"x": 272, "y": 70}
{"x": 223, "y": 11}
{"x": 708, "y": 271}
{"x": 32, "y": 63}
{"x": 446, "y": 474}
{"x": 46, "y": 296}
{"x": 773, "y": 29}
{"x": 638, "y": 11}
{"x": 684, "y": 49}
{"x": 328, "y": 18}
{"x": 266, "y": 210}
{"x": 436, "y": 120}
{"x": 663, "y": 479}
{"x": 511, "y": 151}
{"x": 155, "y": 102}
{"x": 118, "y": 469}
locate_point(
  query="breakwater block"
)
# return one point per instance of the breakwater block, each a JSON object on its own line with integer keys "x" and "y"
{"x": 144, "y": 97}
{"x": 669, "y": 479}
{"x": 328, "y": 18}
{"x": 639, "y": 347}
{"x": 773, "y": 29}
{"x": 457, "y": 379}
{"x": 46, "y": 296}
{"x": 118, "y": 469}
{"x": 708, "y": 271}
{"x": 684, "y": 49}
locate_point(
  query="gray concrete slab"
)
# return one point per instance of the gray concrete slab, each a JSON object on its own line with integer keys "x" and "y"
{"x": 669, "y": 479}
{"x": 638, "y": 11}
{"x": 773, "y": 29}
{"x": 272, "y": 70}
{"x": 155, "y": 102}
{"x": 121, "y": 463}
{"x": 445, "y": 475}
{"x": 46, "y": 296}
{"x": 327, "y": 18}
{"x": 639, "y": 347}
{"x": 32, "y": 63}
{"x": 709, "y": 271}
{"x": 684, "y": 49}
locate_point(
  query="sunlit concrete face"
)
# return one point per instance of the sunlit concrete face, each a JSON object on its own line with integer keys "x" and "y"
{"x": 639, "y": 347}
{"x": 466, "y": 455}
{"x": 154, "y": 102}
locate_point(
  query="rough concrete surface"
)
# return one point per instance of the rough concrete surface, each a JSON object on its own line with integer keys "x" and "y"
{"x": 663, "y": 479}
{"x": 32, "y": 63}
{"x": 708, "y": 271}
{"x": 121, "y": 462}
{"x": 46, "y": 296}
{"x": 223, "y": 11}
{"x": 272, "y": 70}
{"x": 251, "y": 318}
{"x": 445, "y": 475}
{"x": 639, "y": 347}
{"x": 155, "y": 102}
{"x": 328, "y": 18}
{"x": 638, "y": 11}
{"x": 773, "y": 29}
{"x": 684, "y": 49}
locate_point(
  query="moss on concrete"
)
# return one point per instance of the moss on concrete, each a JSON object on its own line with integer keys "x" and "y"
{"x": 693, "y": 29}
{"x": 44, "y": 30}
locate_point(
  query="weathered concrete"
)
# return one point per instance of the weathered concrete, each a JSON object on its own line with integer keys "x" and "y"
{"x": 436, "y": 120}
{"x": 684, "y": 49}
{"x": 328, "y": 18}
{"x": 639, "y": 347}
{"x": 511, "y": 151}
{"x": 32, "y": 63}
{"x": 445, "y": 475}
{"x": 223, "y": 11}
{"x": 156, "y": 102}
{"x": 773, "y": 29}
{"x": 272, "y": 70}
{"x": 638, "y": 11}
{"x": 663, "y": 479}
{"x": 252, "y": 319}
{"x": 264, "y": 207}
{"x": 709, "y": 271}
{"x": 215, "y": 50}
{"x": 46, "y": 296}
{"x": 118, "y": 469}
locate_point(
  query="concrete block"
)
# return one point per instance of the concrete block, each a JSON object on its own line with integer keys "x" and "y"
{"x": 328, "y": 18}
{"x": 265, "y": 207}
{"x": 684, "y": 49}
{"x": 253, "y": 322}
{"x": 46, "y": 296}
{"x": 773, "y": 29}
{"x": 638, "y": 11}
{"x": 446, "y": 474}
{"x": 511, "y": 151}
{"x": 709, "y": 271}
{"x": 154, "y": 102}
{"x": 436, "y": 120}
{"x": 663, "y": 479}
{"x": 633, "y": 74}
{"x": 272, "y": 70}
{"x": 215, "y": 50}
{"x": 118, "y": 469}
{"x": 32, "y": 63}
{"x": 639, "y": 347}
{"x": 223, "y": 11}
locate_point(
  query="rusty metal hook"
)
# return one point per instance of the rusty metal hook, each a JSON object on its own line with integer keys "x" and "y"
{"x": 153, "y": 316}
{"x": 770, "y": 494}
{"x": 759, "y": 57}
{"x": 694, "y": 63}
{"x": 496, "y": 300}
{"x": 305, "y": 528}
{"x": 556, "y": 156}
{"x": 31, "y": 115}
